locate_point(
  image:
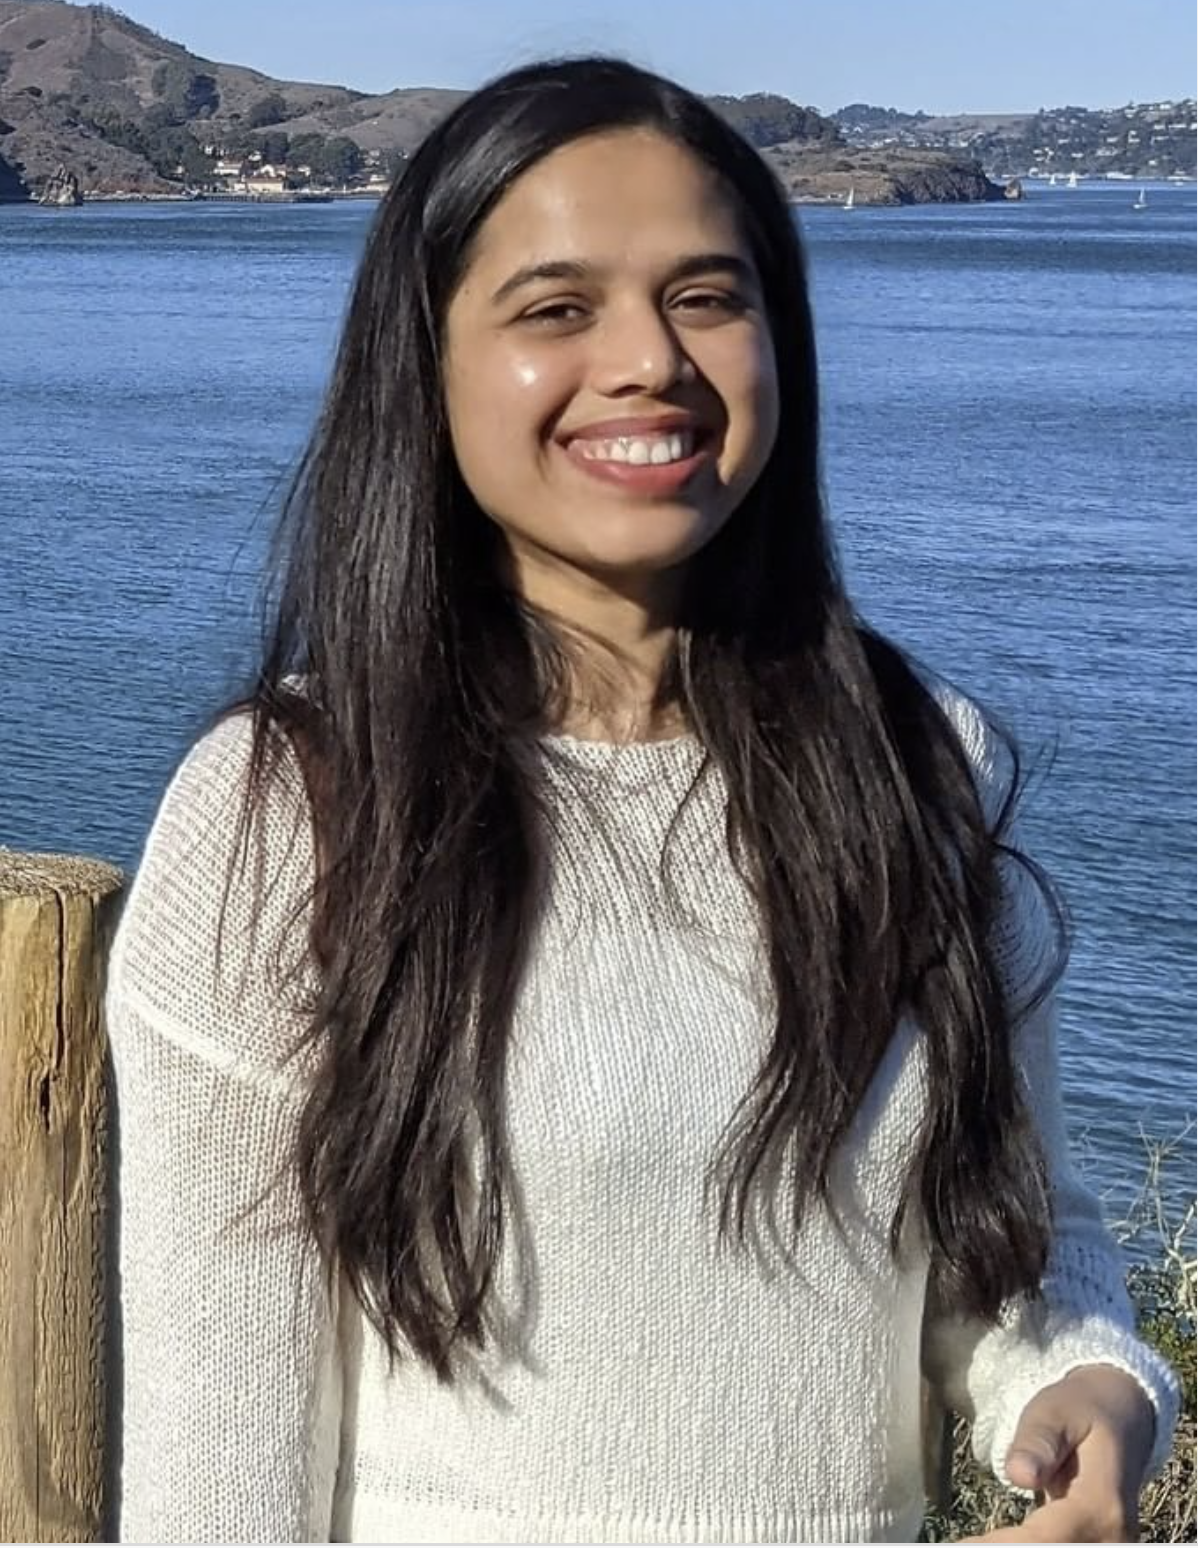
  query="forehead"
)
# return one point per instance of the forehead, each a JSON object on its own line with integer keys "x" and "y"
{"x": 628, "y": 197}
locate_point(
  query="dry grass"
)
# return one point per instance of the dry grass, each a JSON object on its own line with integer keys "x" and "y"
{"x": 1162, "y": 1287}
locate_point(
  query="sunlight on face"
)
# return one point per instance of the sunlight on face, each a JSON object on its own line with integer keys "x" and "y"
{"x": 610, "y": 374}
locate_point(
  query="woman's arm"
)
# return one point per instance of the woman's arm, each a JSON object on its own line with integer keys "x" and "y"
{"x": 1083, "y": 1316}
{"x": 1063, "y": 1375}
{"x": 231, "y": 1387}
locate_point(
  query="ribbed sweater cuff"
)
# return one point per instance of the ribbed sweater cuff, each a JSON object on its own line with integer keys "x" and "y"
{"x": 1092, "y": 1340}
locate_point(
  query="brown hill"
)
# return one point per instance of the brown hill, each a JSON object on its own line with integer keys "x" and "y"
{"x": 86, "y": 88}
{"x": 95, "y": 55}
{"x": 397, "y": 120}
{"x": 63, "y": 67}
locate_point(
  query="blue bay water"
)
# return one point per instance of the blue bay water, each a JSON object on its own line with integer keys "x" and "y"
{"x": 1009, "y": 408}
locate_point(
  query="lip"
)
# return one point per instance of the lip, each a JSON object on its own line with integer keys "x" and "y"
{"x": 644, "y": 424}
{"x": 662, "y": 480}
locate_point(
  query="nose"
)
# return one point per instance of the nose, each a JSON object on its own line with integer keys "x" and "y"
{"x": 637, "y": 351}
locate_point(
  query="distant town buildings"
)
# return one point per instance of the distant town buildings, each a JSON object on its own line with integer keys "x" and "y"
{"x": 251, "y": 175}
{"x": 1146, "y": 140}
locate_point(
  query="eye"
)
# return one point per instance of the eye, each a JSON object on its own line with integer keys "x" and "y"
{"x": 713, "y": 303}
{"x": 555, "y": 314}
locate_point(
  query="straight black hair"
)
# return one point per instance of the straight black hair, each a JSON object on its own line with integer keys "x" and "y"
{"x": 414, "y": 685}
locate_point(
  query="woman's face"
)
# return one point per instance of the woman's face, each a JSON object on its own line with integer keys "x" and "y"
{"x": 609, "y": 375}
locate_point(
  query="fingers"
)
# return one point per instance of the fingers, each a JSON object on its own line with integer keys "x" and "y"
{"x": 1080, "y": 1445}
{"x": 1067, "y": 1521}
{"x": 1045, "y": 1440}
{"x": 1037, "y": 1455}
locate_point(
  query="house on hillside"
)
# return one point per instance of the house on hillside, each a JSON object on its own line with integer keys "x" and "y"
{"x": 268, "y": 180}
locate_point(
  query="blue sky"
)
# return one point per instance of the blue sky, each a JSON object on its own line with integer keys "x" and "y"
{"x": 940, "y": 55}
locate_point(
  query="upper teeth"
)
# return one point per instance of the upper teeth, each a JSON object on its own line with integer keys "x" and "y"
{"x": 639, "y": 449}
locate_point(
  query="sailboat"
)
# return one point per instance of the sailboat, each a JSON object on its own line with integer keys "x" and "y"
{"x": 1141, "y": 202}
{"x": 850, "y": 200}
{"x": 1073, "y": 180}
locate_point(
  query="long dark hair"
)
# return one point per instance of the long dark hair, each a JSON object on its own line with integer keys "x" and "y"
{"x": 425, "y": 683}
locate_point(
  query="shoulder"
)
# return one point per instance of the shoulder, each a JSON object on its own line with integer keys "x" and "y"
{"x": 1029, "y": 936}
{"x": 214, "y": 932}
{"x": 929, "y": 713}
{"x": 205, "y": 802}
{"x": 988, "y": 749}
{"x": 207, "y": 821}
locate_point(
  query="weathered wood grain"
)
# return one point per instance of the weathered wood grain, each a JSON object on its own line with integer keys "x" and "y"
{"x": 57, "y": 914}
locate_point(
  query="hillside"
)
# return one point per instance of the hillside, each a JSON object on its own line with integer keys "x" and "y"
{"x": 76, "y": 80}
{"x": 123, "y": 110}
{"x": 94, "y": 54}
{"x": 1137, "y": 140}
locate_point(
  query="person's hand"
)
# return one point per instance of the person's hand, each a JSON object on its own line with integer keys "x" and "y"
{"x": 1083, "y": 1446}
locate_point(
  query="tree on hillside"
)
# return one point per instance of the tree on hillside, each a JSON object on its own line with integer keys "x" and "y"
{"x": 160, "y": 116}
{"x": 196, "y": 163}
{"x": 340, "y": 161}
{"x": 267, "y": 110}
{"x": 167, "y": 146}
{"x": 306, "y": 150}
{"x": 275, "y": 146}
{"x": 187, "y": 92}
{"x": 393, "y": 162}
{"x": 765, "y": 119}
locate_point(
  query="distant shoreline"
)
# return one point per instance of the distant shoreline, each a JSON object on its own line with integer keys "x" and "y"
{"x": 374, "y": 195}
{"x": 300, "y": 196}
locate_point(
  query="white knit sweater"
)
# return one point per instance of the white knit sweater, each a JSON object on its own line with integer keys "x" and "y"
{"x": 664, "y": 1391}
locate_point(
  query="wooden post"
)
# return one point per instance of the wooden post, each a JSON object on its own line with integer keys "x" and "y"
{"x": 56, "y": 920}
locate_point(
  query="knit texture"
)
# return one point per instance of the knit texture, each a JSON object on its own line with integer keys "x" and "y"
{"x": 657, "y": 1387}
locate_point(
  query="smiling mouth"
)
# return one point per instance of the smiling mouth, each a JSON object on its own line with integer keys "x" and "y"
{"x": 650, "y": 465}
{"x": 638, "y": 451}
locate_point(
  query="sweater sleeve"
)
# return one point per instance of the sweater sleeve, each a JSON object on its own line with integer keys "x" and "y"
{"x": 231, "y": 1387}
{"x": 1083, "y": 1315}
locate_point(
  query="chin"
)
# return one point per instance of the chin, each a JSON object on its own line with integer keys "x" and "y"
{"x": 647, "y": 546}
{"x": 622, "y": 569}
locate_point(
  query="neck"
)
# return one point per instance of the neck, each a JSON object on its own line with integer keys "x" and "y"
{"x": 617, "y": 635}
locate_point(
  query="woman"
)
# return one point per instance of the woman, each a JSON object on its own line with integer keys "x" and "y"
{"x": 584, "y": 1040}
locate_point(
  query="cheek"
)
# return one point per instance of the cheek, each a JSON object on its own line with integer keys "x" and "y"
{"x": 751, "y": 397}
{"x": 498, "y": 402}
{"x": 769, "y": 407}
{"x": 765, "y": 383}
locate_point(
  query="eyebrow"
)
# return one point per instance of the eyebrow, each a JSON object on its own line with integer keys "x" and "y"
{"x": 574, "y": 269}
